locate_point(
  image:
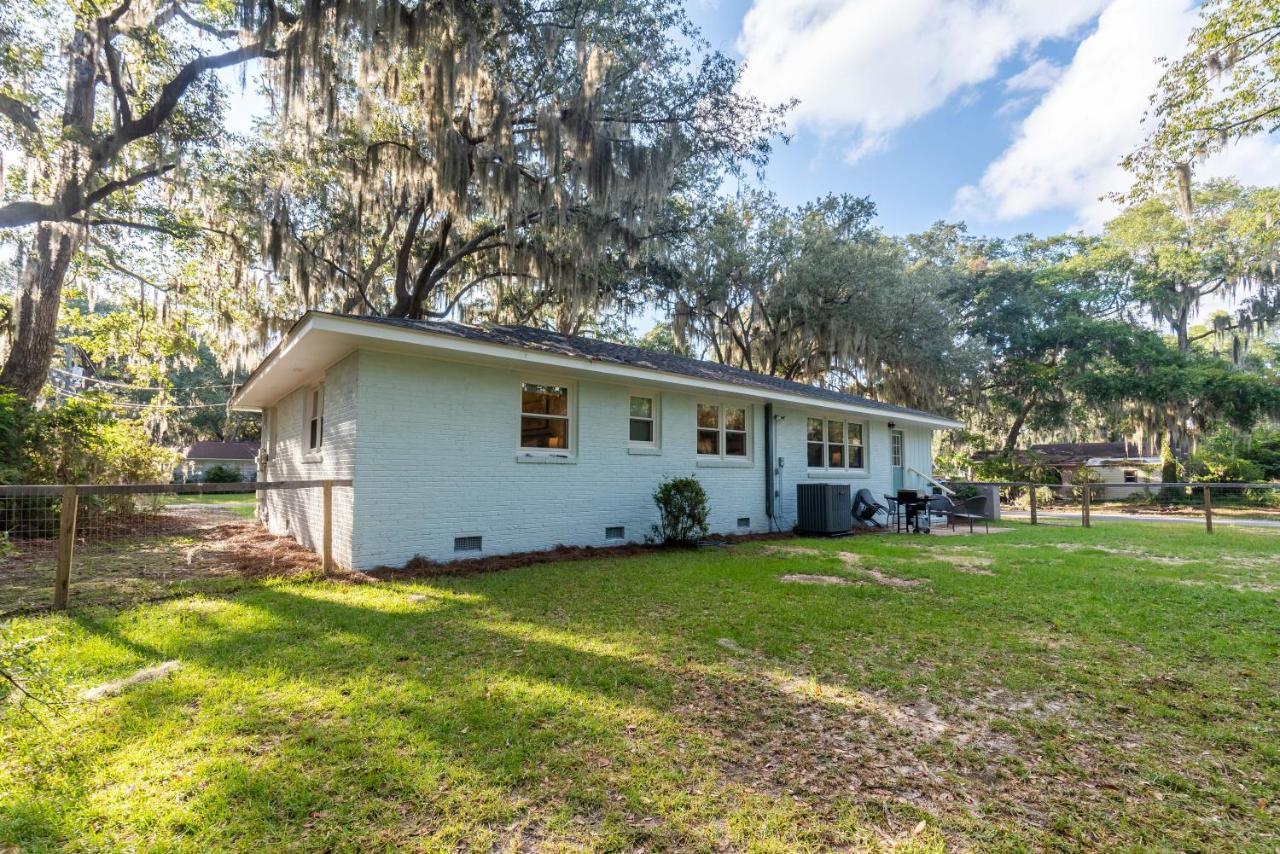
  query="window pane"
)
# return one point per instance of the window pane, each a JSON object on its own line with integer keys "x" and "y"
{"x": 544, "y": 399}
{"x": 641, "y": 407}
{"x": 641, "y": 430}
{"x": 735, "y": 419}
{"x": 544, "y": 433}
{"x": 855, "y": 457}
{"x": 709, "y": 442}
{"x": 708, "y": 415}
{"x": 835, "y": 456}
{"x": 735, "y": 444}
{"x": 835, "y": 432}
{"x": 855, "y": 434}
{"x": 815, "y": 455}
{"x": 815, "y": 429}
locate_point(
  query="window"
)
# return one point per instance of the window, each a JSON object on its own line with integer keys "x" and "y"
{"x": 722, "y": 431}
{"x": 643, "y": 428}
{"x": 544, "y": 417}
{"x": 896, "y": 455}
{"x": 468, "y": 544}
{"x": 615, "y": 532}
{"x": 835, "y": 444}
{"x": 1130, "y": 476}
{"x": 315, "y": 418}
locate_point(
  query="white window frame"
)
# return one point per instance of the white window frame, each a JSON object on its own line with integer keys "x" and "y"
{"x": 826, "y": 467}
{"x": 721, "y": 431}
{"x": 571, "y": 417}
{"x": 655, "y": 413}
{"x": 313, "y": 411}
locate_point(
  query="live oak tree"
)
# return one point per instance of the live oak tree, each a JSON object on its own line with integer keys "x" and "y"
{"x": 816, "y": 293}
{"x": 1226, "y": 245}
{"x": 102, "y": 101}
{"x": 415, "y": 150}
{"x": 1224, "y": 88}
{"x": 523, "y": 166}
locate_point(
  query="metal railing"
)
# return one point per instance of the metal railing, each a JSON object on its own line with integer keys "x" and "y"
{"x": 47, "y": 527}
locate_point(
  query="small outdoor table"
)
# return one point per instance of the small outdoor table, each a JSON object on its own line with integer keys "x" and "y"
{"x": 912, "y": 508}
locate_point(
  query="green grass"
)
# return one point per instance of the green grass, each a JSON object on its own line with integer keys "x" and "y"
{"x": 1112, "y": 687}
{"x": 241, "y": 504}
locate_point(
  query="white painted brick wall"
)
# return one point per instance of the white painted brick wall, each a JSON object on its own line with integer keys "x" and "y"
{"x": 792, "y": 448}
{"x": 435, "y": 454}
{"x": 298, "y": 513}
{"x": 438, "y": 444}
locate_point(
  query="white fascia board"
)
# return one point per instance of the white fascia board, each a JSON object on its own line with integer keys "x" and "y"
{"x": 463, "y": 349}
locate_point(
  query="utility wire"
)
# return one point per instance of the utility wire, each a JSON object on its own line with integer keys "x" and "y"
{"x": 222, "y": 405}
{"x": 140, "y": 387}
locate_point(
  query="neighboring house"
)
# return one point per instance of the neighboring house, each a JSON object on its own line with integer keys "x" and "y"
{"x": 466, "y": 441}
{"x": 199, "y": 457}
{"x": 1107, "y": 462}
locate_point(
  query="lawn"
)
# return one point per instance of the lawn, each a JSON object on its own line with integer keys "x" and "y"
{"x": 1043, "y": 688}
{"x": 241, "y": 504}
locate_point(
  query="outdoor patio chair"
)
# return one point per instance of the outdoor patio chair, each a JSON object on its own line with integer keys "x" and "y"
{"x": 941, "y": 507}
{"x": 865, "y": 508}
{"x": 973, "y": 509}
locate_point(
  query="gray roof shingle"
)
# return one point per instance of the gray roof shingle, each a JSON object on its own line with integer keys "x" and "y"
{"x": 530, "y": 338}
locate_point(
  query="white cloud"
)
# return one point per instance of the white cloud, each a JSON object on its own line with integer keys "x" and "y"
{"x": 1036, "y": 77}
{"x": 871, "y": 66}
{"x": 1066, "y": 153}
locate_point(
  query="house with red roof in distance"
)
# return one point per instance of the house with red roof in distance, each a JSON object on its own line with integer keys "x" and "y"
{"x": 199, "y": 457}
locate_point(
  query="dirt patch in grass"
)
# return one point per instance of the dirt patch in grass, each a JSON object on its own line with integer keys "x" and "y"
{"x": 802, "y": 578}
{"x": 146, "y": 674}
{"x": 943, "y": 754}
{"x": 878, "y": 577}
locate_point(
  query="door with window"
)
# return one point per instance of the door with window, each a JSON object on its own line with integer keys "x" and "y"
{"x": 897, "y": 457}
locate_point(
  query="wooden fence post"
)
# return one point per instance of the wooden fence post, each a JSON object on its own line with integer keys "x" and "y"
{"x": 1208, "y": 511}
{"x": 1084, "y": 506}
{"x": 1033, "y": 503}
{"x": 326, "y": 551}
{"x": 66, "y": 547}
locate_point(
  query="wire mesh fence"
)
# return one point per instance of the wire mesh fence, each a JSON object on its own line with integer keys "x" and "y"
{"x": 1085, "y": 503}
{"x": 92, "y": 544}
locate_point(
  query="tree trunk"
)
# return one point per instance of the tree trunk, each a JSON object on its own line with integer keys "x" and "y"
{"x": 1011, "y": 439}
{"x": 1183, "y": 329}
{"x": 35, "y": 309}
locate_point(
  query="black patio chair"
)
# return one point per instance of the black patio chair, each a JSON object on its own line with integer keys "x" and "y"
{"x": 941, "y": 507}
{"x": 972, "y": 509}
{"x": 865, "y": 508}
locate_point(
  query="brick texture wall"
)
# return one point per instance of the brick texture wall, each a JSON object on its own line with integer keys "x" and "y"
{"x": 298, "y": 513}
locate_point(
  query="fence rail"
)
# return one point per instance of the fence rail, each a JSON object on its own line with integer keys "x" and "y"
{"x": 1089, "y": 491}
{"x": 47, "y": 523}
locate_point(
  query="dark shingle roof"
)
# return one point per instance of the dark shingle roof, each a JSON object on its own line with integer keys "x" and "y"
{"x": 530, "y": 338}
{"x": 1081, "y": 451}
{"x": 221, "y": 451}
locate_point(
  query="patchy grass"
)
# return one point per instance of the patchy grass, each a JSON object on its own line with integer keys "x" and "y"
{"x": 1119, "y": 692}
{"x": 243, "y": 505}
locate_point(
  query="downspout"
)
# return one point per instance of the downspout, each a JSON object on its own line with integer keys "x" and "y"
{"x": 769, "y": 463}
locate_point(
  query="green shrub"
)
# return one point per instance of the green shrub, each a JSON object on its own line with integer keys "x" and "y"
{"x": 1224, "y": 457}
{"x": 682, "y": 509}
{"x": 222, "y": 474}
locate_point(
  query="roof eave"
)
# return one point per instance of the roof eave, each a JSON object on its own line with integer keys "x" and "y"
{"x": 456, "y": 346}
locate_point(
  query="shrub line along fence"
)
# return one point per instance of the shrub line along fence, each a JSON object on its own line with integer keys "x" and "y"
{"x": 68, "y": 512}
{"x": 1088, "y": 488}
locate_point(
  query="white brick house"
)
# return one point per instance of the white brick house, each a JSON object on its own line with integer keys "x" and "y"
{"x": 463, "y": 441}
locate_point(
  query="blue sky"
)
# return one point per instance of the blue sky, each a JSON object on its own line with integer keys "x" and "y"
{"x": 1009, "y": 114}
